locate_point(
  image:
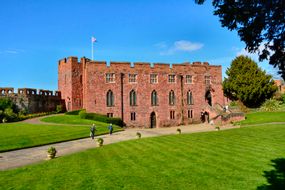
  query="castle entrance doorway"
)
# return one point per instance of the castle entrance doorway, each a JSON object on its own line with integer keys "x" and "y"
{"x": 208, "y": 97}
{"x": 152, "y": 120}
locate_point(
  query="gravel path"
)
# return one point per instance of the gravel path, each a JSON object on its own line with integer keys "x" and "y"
{"x": 17, "y": 158}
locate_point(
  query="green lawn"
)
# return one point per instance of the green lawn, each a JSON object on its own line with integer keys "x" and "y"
{"x": 70, "y": 119}
{"x": 22, "y": 135}
{"x": 263, "y": 117}
{"x": 222, "y": 160}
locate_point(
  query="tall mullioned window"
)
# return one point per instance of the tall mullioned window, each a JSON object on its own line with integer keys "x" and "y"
{"x": 110, "y": 77}
{"x": 132, "y": 78}
{"x": 189, "y": 79}
{"x": 133, "y": 98}
{"x": 154, "y": 98}
{"x": 189, "y": 98}
{"x": 171, "y": 78}
{"x": 207, "y": 80}
{"x": 153, "y": 78}
{"x": 110, "y": 98}
{"x": 171, "y": 98}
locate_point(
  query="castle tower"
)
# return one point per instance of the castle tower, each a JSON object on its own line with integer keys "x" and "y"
{"x": 70, "y": 82}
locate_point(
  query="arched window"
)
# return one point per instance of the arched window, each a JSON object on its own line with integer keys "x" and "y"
{"x": 110, "y": 98}
{"x": 189, "y": 98}
{"x": 133, "y": 98}
{"x": 171, "y": 98}
{"x": 154, "y": 98}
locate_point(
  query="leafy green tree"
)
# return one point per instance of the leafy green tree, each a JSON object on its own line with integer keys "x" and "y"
{"x": 8, "y": 109}
{"x": 248, "y": 83}
{"x": 259, "y": 23}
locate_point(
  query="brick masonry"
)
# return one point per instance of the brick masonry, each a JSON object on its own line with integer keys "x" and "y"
{"x": 83, "y": 85}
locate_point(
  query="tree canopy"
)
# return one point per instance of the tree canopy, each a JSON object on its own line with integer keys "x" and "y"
{"x": 259, "y": 23}
{"x": 248, "y": 83}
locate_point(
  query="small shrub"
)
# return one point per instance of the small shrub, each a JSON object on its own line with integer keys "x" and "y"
{"x": 100, "y": 141}
{"x": 51, "y": 152}
{"x": 270, "y": 105}
{"x": 82, "y": 114}
{"x": 139, "y": 135}
{"x": 10, "y": 115}
{"x": 4, "y": 120}
{"x": 242, "y": 107}
{"x": 178, "y": 131}
{"x": 233, "y": 103}
{"x": 59, "y": 109}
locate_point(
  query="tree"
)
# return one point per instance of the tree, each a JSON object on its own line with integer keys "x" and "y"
{"x": 259, "y": 23}
{"x": 248, "y": 83}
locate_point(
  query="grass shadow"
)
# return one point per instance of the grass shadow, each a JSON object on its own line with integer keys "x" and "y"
{"x": 276, "y": 177}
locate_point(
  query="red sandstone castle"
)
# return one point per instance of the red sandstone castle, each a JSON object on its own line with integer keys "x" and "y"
{"x": 141, "y": 94}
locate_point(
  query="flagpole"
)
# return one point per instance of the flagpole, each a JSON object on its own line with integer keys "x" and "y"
{"x": 92, "y": 48}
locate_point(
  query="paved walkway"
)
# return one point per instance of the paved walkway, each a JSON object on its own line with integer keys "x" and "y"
{"x": 17, "y": 158}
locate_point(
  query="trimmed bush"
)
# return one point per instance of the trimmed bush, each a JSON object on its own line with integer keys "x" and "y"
{"x": 99, "y": 117}
{"x": 59, "y": 109}
{"x": 75, "y": 112}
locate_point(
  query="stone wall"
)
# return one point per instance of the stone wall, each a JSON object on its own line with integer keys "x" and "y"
{"x": 33, "y": 100}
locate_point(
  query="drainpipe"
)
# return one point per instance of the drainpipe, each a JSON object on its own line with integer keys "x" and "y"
{"x": 122, "y": 96}
{"x": 182, "y": 99}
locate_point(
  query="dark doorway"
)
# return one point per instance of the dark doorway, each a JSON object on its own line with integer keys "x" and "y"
{"x": 208, "y": 97}
{"x": 152, "y": 120}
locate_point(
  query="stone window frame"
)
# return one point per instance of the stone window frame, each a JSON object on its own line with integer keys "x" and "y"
{"x": 110, "y": 98}
{"x": 189, "y": 98}
{"x": 189, "y": 80}
{"x": 153, "y": 78}
{"x": 110, "y": 115}
{"x": 207, "y": 79}
{"x": 133, "y": 77}
{"x": 170, "y": 79}
{"x": 190, "y": 114}
{"x": 133, "y": 98}
{"x": 133, "y": 116}
{"x": 172, "y": 114}
{"x": 154, "y": 98}
{"x": 110, "y": 77}
{"x": 171, "y": 98}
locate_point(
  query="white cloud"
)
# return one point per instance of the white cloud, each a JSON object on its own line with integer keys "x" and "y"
{"x": 184, "y": 45}
{"x": 178, "y": 46}
{"x": 12, "y": 51}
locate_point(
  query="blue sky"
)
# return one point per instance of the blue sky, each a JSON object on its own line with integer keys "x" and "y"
{"x": 34, "y": 35}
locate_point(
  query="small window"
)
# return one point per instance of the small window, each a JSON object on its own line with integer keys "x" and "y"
{"x": 109, "y": 114}
{"x": 189, "y": 79}
{"x": 171, "y": 98}
{"x": 110, "y": 77}
{"x": 132, "y": 78}
{"x": 207, "y": 80}
{"x": 190, "y": 114}
{"x": 172, "y": 114}
{"x": 133, "y": 98}
{"x": 153, "y": 78}
{"x": 189, "y": 98}
{"x": 110, "y": 98}
{"x": 171, "y": 78}
{"x": 133, "y": 116}
{"x": 154, "y": 98}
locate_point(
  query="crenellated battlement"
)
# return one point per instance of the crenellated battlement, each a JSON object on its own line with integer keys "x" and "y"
{"x": 6, "y": 91}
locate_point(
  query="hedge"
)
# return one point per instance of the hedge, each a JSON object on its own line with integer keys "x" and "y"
{"x": 75, "y": 112}
{"x": 100, "y": 117}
